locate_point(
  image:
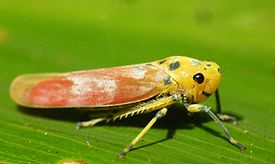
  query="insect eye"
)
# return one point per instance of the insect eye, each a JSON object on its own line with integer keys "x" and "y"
{"x": 199, "y": 78}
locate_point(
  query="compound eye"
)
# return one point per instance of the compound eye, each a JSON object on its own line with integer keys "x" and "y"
{"x": 199, "y": 78}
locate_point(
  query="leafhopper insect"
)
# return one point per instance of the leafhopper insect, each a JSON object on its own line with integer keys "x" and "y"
{"x": 142, "y": 88}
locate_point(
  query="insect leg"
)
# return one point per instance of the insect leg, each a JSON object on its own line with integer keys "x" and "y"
{"x": 203, "y": 108}
{"x": 147, "y": 107}
{"x": 90, "y": 122}
{"x": 222, "y": 116}
{"x": 159, "y": 115}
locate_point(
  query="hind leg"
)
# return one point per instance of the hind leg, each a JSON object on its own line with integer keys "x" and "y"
{"x": 90, "y": 122}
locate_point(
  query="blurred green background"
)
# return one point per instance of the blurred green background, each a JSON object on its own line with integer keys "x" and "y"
{"x": 60, "y": 36}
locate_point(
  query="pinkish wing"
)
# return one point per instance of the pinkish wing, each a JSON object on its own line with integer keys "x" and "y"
{"x": 92, "y": 88}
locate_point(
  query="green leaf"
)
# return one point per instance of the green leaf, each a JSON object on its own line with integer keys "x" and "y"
{"x": 38, "y": 36}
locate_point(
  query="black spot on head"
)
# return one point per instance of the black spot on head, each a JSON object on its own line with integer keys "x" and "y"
{"x": 208, "y": 64}
{"x": 199, "y": 78}
{"x": 167, "y": 80}
{"x": 219, "y": 70}
{"x": 162, "y": 61}
{"x": 174, "y": 65}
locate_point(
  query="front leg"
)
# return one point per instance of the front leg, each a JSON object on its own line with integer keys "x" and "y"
{"x": 220, "y": 115}
{"x": 202, "y": 108}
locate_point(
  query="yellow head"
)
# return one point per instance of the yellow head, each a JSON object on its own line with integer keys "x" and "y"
{"x": 196, "y": 79}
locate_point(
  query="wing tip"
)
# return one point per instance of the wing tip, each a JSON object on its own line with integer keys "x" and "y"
{"x": 16, "y": 91}
{"x": 21, "y": 86}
